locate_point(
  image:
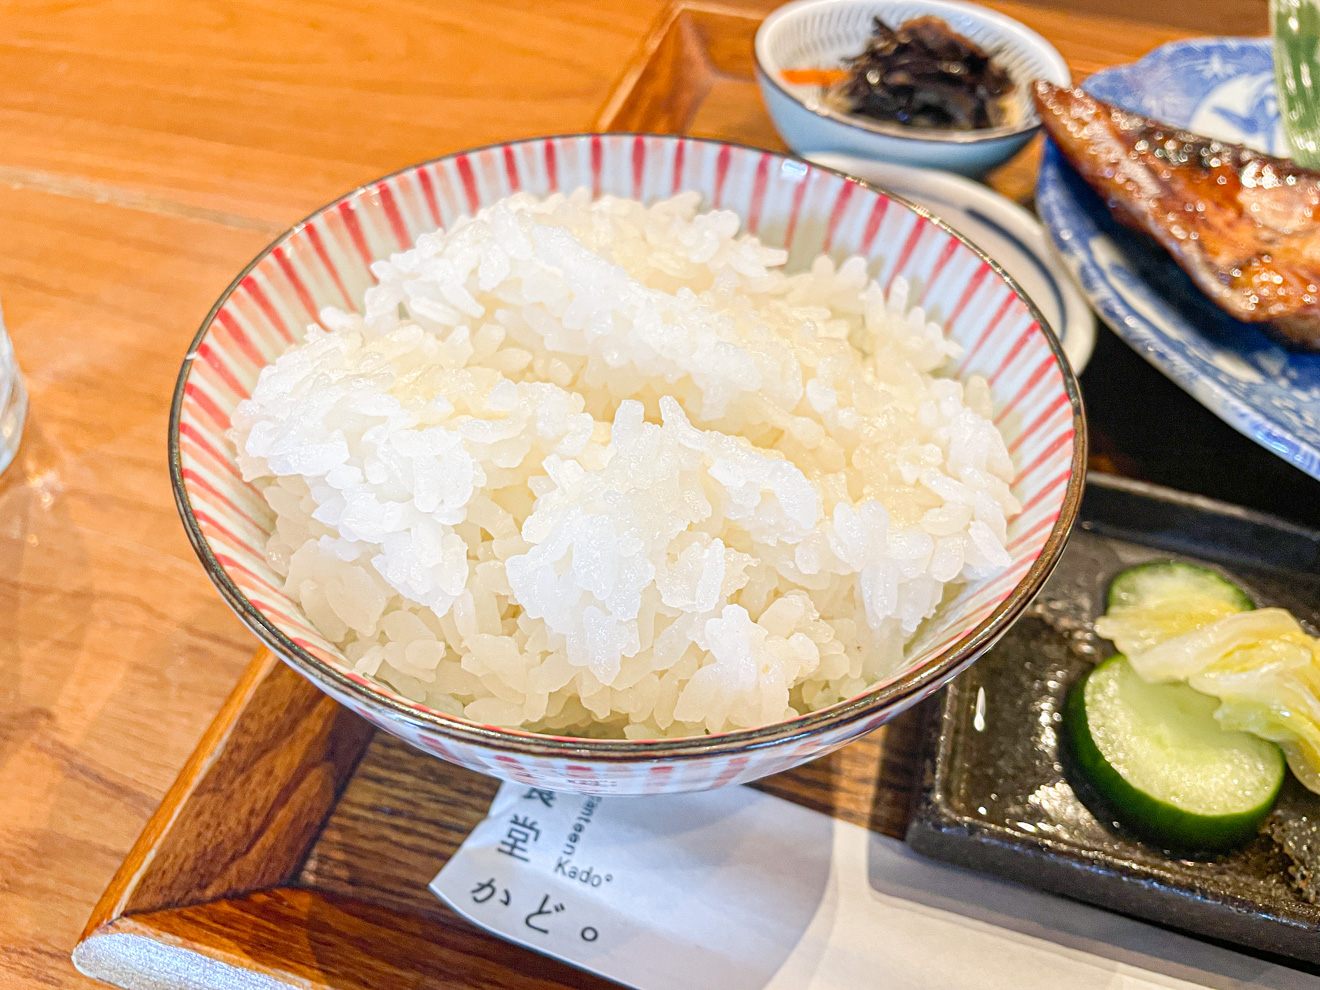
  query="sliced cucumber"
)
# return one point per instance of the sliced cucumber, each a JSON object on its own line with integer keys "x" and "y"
{"x": 1153, "y": 602}
{"x": 1161, "y": 581}
{"x": 1164, "y": 766}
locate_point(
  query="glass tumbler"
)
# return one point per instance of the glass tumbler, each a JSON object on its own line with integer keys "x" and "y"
{"x": 1296, "y": 26}
{"x": 13, "y": 399}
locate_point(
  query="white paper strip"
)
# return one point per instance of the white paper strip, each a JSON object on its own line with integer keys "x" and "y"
{"x": 737, "y": 890}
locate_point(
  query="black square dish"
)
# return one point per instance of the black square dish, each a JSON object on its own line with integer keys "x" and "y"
{"x": 995, "y": 796}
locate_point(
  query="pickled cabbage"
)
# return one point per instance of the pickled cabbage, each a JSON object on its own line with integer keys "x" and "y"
{"x": 1265, "y": 670}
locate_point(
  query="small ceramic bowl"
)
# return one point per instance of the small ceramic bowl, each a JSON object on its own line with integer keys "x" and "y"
{"x": 325, "y": 261}
{"x": 823, "y": 33}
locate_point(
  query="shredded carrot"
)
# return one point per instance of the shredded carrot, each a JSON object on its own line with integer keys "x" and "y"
{"x": 806, "y": 77}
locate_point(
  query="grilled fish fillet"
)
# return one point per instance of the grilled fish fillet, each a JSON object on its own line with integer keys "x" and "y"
{"x": 1244, "y": 226}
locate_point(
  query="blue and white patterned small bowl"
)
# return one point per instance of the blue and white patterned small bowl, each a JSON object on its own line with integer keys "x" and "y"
{"x": 1222, "y": 88}
{"x": 823, "y": 33}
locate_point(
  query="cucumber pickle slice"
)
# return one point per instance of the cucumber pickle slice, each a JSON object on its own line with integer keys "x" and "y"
{"x": 1163, "y": 582}
{"x": 1163, "y": 764}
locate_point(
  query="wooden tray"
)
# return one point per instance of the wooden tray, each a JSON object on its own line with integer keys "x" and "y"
{"x": 295, "y": 848}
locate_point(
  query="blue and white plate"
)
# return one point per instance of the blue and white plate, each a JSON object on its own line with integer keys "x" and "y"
{"x": 1222, "y": 88}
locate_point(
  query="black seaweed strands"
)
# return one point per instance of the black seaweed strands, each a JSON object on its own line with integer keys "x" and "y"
{"x": 924, "y": 74}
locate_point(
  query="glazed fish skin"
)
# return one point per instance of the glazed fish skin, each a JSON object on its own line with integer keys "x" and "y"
{"x": 1245, "y": 226}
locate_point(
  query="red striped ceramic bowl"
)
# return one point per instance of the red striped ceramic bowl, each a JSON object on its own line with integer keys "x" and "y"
{"x": 325, "y": 261}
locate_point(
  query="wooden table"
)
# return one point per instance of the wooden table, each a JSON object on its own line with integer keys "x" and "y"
{"x": 149, "y": 150}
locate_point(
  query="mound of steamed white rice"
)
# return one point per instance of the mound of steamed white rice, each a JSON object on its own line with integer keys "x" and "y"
{"x": 603, "y": 469}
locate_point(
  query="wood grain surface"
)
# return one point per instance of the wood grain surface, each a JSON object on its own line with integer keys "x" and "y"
{"x": 247, "y": 806}
{"x": 256, "y": 113}
{"x": 149, "y": 150}
{"x": 116, "y": 650}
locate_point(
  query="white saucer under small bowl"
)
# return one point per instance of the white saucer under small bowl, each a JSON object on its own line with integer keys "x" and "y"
{"x": 824, "y": 33}
{"x": 1006, "y": 232}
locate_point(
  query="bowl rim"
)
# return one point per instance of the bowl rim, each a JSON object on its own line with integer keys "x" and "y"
{"x": 895, "y": 695}
{"x": 1025, "y": 36}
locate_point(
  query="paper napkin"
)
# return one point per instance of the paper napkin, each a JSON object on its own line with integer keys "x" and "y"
{"x": 737, "y": 890}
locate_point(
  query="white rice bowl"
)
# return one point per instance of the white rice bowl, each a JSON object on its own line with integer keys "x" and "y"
{"x": 602, "y": 469}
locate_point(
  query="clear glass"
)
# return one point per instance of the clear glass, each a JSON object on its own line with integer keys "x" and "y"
{"x": 13, "y": 399}
{"x": 1297, "y": 75}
